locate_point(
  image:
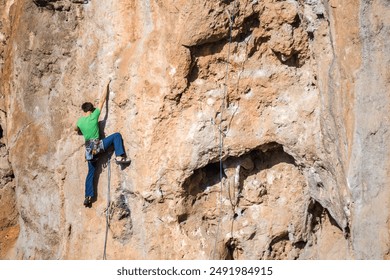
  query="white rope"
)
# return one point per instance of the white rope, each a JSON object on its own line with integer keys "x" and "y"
{"x": 108, "y": 207}
{"x": 221, "y": 134}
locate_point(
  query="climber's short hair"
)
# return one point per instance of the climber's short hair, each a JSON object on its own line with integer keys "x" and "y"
{"x": 87, "y": 107}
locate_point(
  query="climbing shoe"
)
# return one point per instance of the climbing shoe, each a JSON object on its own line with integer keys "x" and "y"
{"x": 122, "y": 160}
{"x": 88, "y": 201}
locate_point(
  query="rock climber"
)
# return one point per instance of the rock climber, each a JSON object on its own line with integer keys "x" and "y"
{"x": 89, "y": 127}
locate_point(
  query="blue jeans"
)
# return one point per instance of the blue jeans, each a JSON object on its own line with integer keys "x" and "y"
{"x": 114, "y": 139}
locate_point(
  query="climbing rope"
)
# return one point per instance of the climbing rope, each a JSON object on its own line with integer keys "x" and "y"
{"x": 108, "y": 214}
{"x": 221, "y": 133}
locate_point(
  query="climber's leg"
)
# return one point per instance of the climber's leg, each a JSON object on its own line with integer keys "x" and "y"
{"x": 116, "y": 140}
{"x": 89, "y": 191}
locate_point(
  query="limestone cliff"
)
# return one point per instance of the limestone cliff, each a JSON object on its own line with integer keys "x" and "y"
{"x": 256, "y": 129}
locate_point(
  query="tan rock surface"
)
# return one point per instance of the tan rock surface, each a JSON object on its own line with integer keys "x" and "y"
{"x": 261, "y": 143}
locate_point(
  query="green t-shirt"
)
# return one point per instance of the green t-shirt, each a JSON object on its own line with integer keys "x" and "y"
{"x": 89, "y": 125}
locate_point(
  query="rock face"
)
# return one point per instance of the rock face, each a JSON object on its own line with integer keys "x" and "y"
{"x": 256, "y": 129}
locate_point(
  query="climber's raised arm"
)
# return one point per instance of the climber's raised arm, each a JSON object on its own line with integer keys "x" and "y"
{"x": 104, "y": 96}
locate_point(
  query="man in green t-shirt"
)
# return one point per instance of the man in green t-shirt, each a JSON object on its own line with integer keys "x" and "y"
{"x": 88, "y": 125}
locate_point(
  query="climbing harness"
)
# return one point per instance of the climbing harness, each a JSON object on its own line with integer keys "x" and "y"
{"x": 221, "y": 133}
{"x": 92, "y": 148}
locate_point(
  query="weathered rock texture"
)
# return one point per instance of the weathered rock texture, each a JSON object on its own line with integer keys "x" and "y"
{"x": 256, "y": 129}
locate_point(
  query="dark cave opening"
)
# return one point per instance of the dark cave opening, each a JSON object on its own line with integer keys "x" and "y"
{"x": 247, "y": 27}
{"x": 263, "y": 157}
{"x": 317, "y": 215}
